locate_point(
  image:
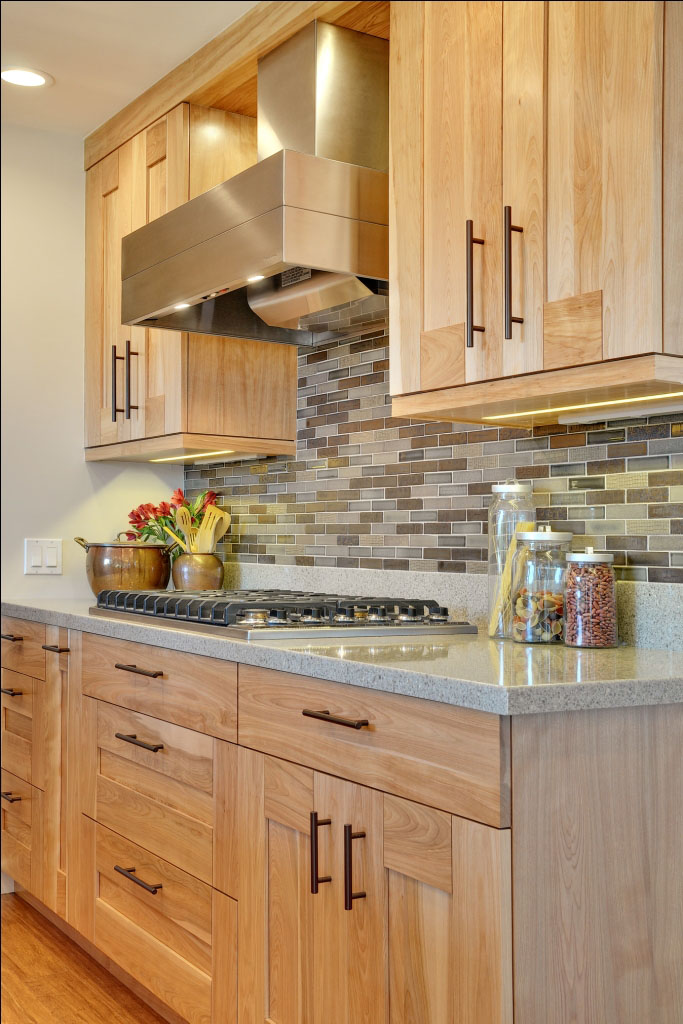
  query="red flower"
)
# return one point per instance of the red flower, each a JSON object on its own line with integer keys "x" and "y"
{"x": 142, "y": 514}
{"x": 131, "y": 536}
{"x": 178, "y": 499}
{"x": 164, "y": 509}
{"x": 210, "y": 498}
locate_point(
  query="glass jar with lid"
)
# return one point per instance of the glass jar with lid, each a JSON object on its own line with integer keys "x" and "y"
{"x": 590, "y": 600}
{"x": 511, "y": 510}
{"x": 538, "y": 576}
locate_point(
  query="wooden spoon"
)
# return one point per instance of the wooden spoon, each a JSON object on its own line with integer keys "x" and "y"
{"x": 176, "y": 538}
{"x": 206, "y": 536}
{"x": 184, "y": 522}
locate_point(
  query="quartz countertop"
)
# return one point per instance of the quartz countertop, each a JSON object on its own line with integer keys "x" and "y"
{"x": 504, "y": 678}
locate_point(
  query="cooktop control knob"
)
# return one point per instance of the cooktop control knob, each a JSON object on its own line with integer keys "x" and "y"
{"x": 407, "y": 613}
{"x": 438, "y": 615}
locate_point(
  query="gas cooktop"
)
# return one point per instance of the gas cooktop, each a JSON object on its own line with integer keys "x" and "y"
{"x": 281, "y": 614}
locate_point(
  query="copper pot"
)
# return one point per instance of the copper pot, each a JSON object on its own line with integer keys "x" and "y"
{"x": 197, "y": 572}
{"x": 126, "y": 565}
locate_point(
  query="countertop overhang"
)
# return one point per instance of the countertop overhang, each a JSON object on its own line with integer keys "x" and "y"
{"x": 503, "y": 678}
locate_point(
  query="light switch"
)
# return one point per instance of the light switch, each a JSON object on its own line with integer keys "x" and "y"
{"x": 42, "y": 556}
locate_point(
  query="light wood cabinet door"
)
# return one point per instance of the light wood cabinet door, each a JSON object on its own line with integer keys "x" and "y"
{"x": 303, "y": 956}
{"x": 448, "y": 886}
{"x": 604, "y": 181}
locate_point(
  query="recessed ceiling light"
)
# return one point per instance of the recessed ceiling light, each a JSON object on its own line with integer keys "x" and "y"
{"x": 254, "y": 278}
{"x": 182, "y": 305}
{"x": 26, "y": 76}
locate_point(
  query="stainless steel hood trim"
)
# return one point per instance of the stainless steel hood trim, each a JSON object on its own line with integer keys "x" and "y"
{"x": 291, "y": 210}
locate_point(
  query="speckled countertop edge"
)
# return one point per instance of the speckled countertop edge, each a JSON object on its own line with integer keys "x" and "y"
{"x": 478, "y": 695}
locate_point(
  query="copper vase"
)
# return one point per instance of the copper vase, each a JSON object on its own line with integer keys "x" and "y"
{"x": 197, "y": 572}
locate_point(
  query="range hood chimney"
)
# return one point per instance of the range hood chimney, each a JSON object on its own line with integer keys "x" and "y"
{"x": 304, "y": 230}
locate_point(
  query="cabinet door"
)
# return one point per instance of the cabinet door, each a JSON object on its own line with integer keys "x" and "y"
{"x": 446, "y": 170}
{"x": 108, "y": 219}
{"x": 449, "y": 917}
{"x": 604, "y": 182}
{"x": 161, "y": 170}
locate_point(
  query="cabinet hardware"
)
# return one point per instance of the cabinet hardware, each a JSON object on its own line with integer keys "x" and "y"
{"x": 129, "y": 873}
{"x": 508, "y": 228}
{"x": 129, "y": 354}
{"x": 13, "y": 639}
{"x": 137, "y": 671}
{"x": 54, "y": 649}
{"x": 12, "y": 693}
{"x": 132, "y": 738}
{"x": 349, "y": 894}
{"x": 325, "y": 716}
{"x": 317, "y": 823}
{"x": 470, "y": 242}
{"x": 9, "y": 798}
{"x": 114, "y": 408}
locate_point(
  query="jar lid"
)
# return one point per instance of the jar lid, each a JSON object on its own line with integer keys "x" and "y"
{"x": 546, "y": 534}
{"x": 589, "y": 555}
{"x": 513, "y": 487}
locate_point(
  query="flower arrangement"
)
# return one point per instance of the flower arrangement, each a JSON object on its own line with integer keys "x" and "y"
{"x": 147, "y": 522}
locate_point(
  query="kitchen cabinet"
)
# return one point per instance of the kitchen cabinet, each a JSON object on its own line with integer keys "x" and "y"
{"x": 35, "y": 665}
{"x": 354, "y": 901}
{"x": 533, "y": 186}
{"x": 161, "y": 394}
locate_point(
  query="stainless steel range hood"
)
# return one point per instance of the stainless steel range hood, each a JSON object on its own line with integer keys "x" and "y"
{"x": 303, "y": 230}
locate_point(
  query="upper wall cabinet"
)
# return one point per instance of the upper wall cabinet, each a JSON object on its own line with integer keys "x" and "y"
{"x": 163, "y": 394}
{"x": 535, "y": 198}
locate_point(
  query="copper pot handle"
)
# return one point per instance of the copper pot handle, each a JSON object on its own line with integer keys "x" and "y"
{"x": 83, "y": 542}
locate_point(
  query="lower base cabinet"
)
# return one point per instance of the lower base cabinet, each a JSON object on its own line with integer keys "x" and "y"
{"x": 169, "y": 930}
{"x": 357, "y": 906}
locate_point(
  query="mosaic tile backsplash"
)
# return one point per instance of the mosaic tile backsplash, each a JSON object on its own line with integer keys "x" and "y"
{"x": 369, "y": 491}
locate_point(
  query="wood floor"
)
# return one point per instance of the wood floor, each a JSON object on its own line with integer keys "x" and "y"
{"x": 47, "y": 979}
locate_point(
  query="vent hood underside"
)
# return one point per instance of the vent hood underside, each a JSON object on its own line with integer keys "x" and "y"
{"x": 288, "y": 212}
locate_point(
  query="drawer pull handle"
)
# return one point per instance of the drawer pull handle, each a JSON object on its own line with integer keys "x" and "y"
{"x": 317, "y": 823}
{"x": 349, "y": 894}
{"x": 9, "y": 798}
{"x": 325, "y": 716}
{"x": 54, "y": 649}
{"x": 12, "y": 693}
{"x": 12, "y": 637}
{"x": 138, "y": 671}
{"x": 130, "y": 874}
{"x": 132, "y": 738}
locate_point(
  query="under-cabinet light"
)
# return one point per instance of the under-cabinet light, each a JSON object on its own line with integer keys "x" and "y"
{"x": 584, "y": 405}
{"x": 190, "y": 456}
{"x": 182, "y": 305}
{"x": 26, "y": 76}
{"x": 254, "y": 278}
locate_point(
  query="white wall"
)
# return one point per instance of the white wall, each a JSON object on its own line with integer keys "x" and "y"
{"x": 47, "y": 488}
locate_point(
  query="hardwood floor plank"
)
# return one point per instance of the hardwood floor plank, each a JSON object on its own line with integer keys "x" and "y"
{"x": 47, "y": 979}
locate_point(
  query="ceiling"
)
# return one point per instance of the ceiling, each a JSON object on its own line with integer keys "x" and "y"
{"x": 101, "y": 54}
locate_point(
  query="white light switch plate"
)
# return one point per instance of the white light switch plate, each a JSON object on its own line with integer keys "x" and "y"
{"x": 42, "y": 556}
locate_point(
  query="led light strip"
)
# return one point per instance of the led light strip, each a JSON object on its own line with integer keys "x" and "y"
{"x": 584, "y": 405}
{"x": 198, "y": 455}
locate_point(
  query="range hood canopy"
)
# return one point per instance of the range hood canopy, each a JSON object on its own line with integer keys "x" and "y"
{"x": 303, "y": 230}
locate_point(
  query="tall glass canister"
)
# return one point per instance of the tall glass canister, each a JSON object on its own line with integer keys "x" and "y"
{"x": 538, "y": 575}
{"x": 511, "y": 510}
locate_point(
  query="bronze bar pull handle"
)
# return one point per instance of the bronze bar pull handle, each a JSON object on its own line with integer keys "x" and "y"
{"x": 54, "y": 649}
{"x": 470, "y": 242}
{"x": 12, "y": 693}
{"x": 349, "y": 894}
{"x": 325, "y": 716}
{"x": 12, "y": 637}
{"x": 114, "y": 408}
{"x": 10, "y": 798}
{"x": 317, "y": 823}
{"x": 129, "y": 353}
{"x": 132, "y": 738}
{"x": 508, "y": 228}
{"x": 138, "y": 671}
{"x": 130, "y": 874}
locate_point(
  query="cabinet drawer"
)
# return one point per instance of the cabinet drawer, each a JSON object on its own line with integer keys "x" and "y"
{"x": 22, "y": 819}
{"x": 17, "y": 723}
{"x": 199, "y": 693}
{"x": 162, "y": 799}
{"x": 178, "y": 941}
{"x": 23, "y": 653}
{"x": 452, "y": 758}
